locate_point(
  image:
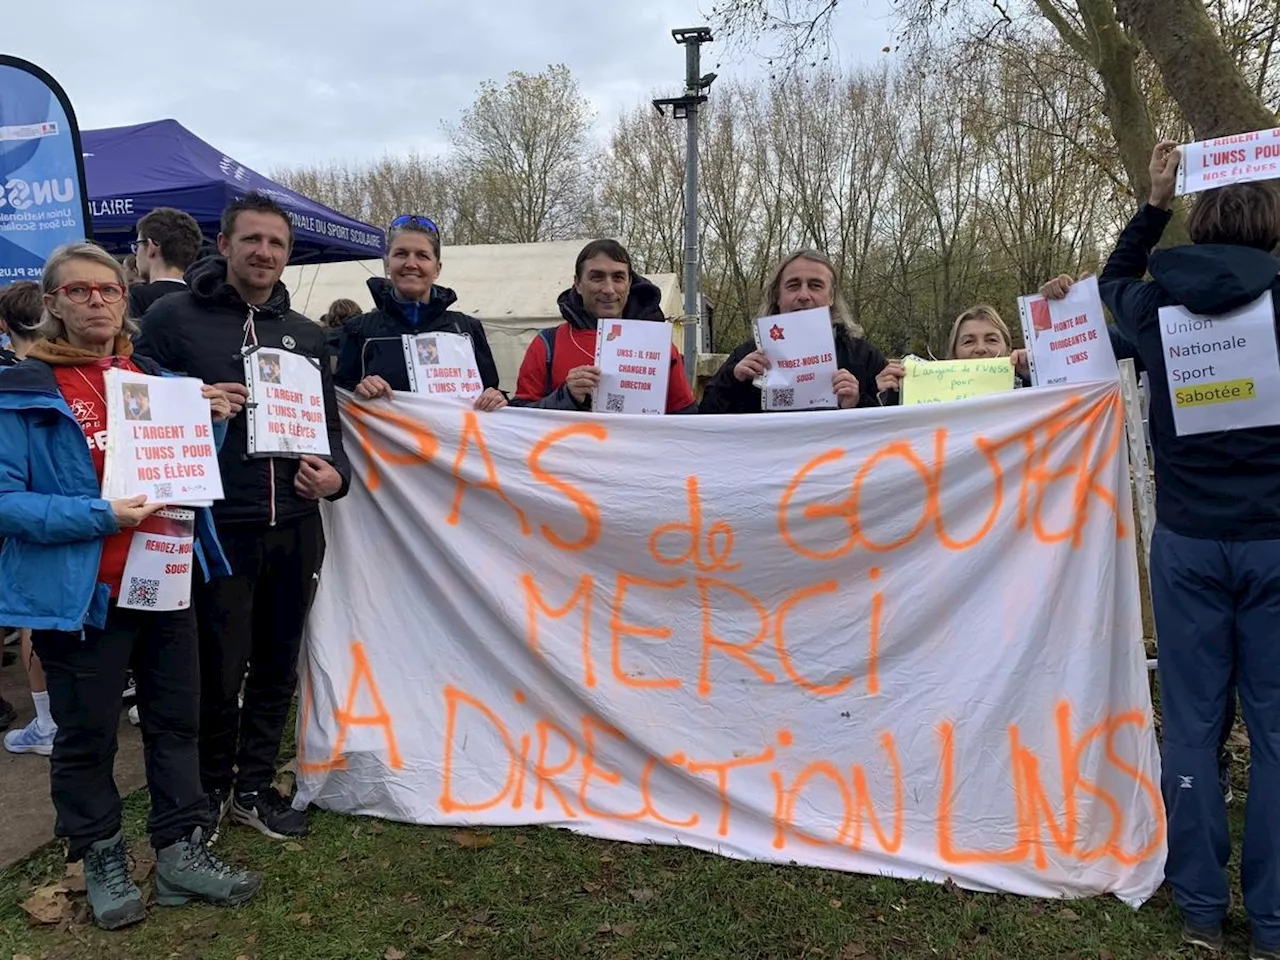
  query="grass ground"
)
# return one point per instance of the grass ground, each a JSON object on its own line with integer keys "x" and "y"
{"x": 361, "y": 889}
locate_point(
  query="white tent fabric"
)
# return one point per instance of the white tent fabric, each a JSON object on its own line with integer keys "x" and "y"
{"x": 510, "y": 287}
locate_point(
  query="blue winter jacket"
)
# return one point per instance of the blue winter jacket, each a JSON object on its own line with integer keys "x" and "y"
{"x": 52, "y": 516}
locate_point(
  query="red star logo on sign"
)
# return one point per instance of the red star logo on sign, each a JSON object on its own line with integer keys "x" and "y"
{"x": 775, "y": 333}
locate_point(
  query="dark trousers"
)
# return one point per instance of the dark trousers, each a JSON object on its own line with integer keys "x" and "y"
{"x": 86, "y": 676}
{"x": 253, "y": 620}
{"x": 1217, "y": 608}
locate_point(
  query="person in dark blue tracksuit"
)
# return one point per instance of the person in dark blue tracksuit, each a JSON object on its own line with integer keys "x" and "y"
{"x": 1215, "y": 554}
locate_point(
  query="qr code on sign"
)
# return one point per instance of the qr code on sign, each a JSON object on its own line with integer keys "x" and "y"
{"x": 782, "y": 397}
{"x": 614, "y": 403}
{"x": 143, "y": 593}
{"x": 164, "y": 491}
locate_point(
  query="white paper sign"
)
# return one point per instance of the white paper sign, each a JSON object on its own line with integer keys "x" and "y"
{"x": 286, "y": 404}
{"x": 1067, "y": 339}
{"x": 157, "y": 571}
{"x": 1223, "y": 371}
{"x": 802, "y": 360}
{"x": 159, "y": 440}
{"x": 1242, "y": 158}
{"x": 634, "y": 357}
{"x": 442, "y": 365}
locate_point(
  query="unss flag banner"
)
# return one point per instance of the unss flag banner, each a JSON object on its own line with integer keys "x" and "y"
{"x": 42, "y": 190}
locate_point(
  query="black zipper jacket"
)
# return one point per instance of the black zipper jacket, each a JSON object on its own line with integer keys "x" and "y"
{"x": 200, "y": 332}
{"x": 370, "y": 344}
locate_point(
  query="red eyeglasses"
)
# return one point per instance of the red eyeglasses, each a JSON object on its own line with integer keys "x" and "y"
{"x": 83, "y": 292}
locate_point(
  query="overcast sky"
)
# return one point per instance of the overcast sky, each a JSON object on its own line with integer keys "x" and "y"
{"x": 284, "y": 82}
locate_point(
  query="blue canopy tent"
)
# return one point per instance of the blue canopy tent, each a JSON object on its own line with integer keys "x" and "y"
{"x": 133, "y": 170}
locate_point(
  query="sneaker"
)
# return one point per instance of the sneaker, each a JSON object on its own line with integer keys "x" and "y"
{"x": 187, "y": 871}
{"x": 269, "y": 813}
{"x": 7, "y": 714}
{"x": 133, "y": 715}
{"x": 31, "y": 739}
{"x": 219, "y": 807}
{"x": 1208, "y": 938}
{"x": 113, "y": 899}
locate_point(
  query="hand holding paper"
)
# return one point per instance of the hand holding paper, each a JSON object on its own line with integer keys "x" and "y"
{"x": 131, "y": 511}
{"x": 236, "y": 394}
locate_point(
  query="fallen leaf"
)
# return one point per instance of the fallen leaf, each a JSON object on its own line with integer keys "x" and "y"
{"x": 386, "y": 864}
{"x": 1104, "y": 955}
{"x": 302, "y": 919}
{"x": 443, "y": 937}
{"x": 21, "y": 956}
{"x": 604, "y": 928}
{"x": 343, "y": 855}
{"x": 355, "y": 832}
{"x": 293, "y": 846}
{"x": 393, "y": 954}
{"x": 1066, "y": 913}
{"x": 605, "y": 858}
{"x": 624, "y": 929}
{"x": 643, "y": 895}
{"x": 481, "y": 917}
{"x": 286, "y": 779}
{"x": 591, "y": 887}
{"x": 243, "y": 956}
{"x": 251, "y": 938}
{"x": 536, "y": 933}
{"x": 74, "y": 879}
{"x": 835, "y": 904}
{"x": 142, "y": 869}
{"x": 470, "y": 840}
{"x": 519, "y": 839}
{"x": 376, "y": 829}
{"x": 852, "y": 951}
{"x": 952, "y": 888}
{"x": 48, "y": 904}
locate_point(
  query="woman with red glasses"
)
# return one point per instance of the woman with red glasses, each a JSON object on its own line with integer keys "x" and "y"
{"x": 68, "y": 547}
{"x": 371, "y": 359}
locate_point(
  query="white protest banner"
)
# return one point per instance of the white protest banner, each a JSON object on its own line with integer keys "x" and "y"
{"x": 286, "y": 404}
{"x": 159, "y": 440}
{"x": 1224, "y": 371}
{"x": 634, "y": 357}
{"x": 802, "y": 360}
{"x": 909, "y": 647}
{"x": 442, "y": 365}
{"x": 157, "y": 570}
{"x": 1067, "y": 339}
{"x": 1242, "y": 158}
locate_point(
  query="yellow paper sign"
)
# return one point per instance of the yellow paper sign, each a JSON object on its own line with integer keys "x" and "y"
{"x": 937, "y": 381}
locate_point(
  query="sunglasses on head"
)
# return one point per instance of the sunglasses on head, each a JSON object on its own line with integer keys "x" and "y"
{"x": 413, "y": 220}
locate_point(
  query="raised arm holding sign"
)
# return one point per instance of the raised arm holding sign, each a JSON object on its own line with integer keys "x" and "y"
{"x": 801, "y": 351}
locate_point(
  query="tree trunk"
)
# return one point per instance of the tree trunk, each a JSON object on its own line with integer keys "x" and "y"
{"x": 1197, "y": 69}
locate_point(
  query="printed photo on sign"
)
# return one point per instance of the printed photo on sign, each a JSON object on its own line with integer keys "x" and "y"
{"x": 443, "y": 365}
{"x": 137, "y": 401}
{"x": 285, "y": 410}
{"x": 269, "y": 367}
{"x": 634, "y": 357}
{"x": 159, "y": 440}
{"x": 1067, "y": 339}
{"x": 940, "y": 381}
{"x": 1241, "y": 158}
{"x": 157, "y": 570}
{"x": 801, "y": 349}
{"x": 1223, "y": 371}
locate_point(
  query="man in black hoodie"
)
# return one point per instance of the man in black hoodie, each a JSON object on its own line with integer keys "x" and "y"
{"x": 558, "y": 371}
{"x": 1215, "y": 553}
{"x": 269, "y": 522}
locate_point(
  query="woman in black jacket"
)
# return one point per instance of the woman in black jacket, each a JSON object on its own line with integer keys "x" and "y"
{"x": 804, "y": 280}
{"x": 371, "y": 352}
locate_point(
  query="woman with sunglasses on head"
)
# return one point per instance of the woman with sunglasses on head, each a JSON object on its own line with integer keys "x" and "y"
{"x": 371, "y": 358}
{"x": 68, "y": 546}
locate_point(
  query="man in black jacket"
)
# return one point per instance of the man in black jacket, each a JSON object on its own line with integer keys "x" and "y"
{"x": 269, "y": 522}
{"x": 167, "y": 244}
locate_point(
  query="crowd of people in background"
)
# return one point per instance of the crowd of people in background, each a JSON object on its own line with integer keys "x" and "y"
{"x": 214, "y": 683}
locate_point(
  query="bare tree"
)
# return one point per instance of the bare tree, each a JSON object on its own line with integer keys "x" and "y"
{"x": 523, "y": 149}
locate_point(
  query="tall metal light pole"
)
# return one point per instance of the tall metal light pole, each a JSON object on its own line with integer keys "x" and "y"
{"x": 686, "y": 108}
